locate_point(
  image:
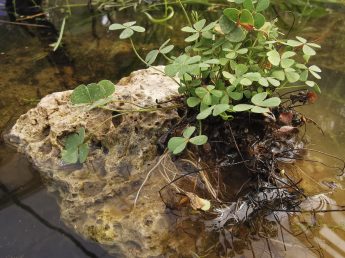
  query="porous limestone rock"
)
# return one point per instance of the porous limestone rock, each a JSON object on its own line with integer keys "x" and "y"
{"x": 96, "y": 197}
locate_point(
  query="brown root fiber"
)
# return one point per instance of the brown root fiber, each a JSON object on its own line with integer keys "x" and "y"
{"x": 238, "y": 170}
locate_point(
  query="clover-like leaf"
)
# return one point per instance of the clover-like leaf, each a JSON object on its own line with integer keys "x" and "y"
{"x": 274, "y": 57}
{"x": 92, "y": 92}
{"x": 127, "y": 28}
{"x": 220, "y": 108}
{"x": 262, "y": 5}
{"x": 205, "y": 113}
{"x": 199, "y": 140}
{"x": 259, "y": 99}
{"x": 193, "y": 101}
{"x": 177, "y": 144}
{"x": 242, "y": 107}
{"x": 74, "y": 148}
{"x": 182, "y": 65}
{"x": 187, "y": 133}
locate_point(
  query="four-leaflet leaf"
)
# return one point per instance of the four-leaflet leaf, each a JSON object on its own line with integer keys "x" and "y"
{"x": 74, "y": 148}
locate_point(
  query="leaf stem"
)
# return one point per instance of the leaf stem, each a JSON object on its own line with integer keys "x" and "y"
{"x": 291, "y": 87}
{"x": 185, "y": 13}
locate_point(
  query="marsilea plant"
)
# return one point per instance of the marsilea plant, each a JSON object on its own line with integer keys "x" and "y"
{"x": 236, "y": 63}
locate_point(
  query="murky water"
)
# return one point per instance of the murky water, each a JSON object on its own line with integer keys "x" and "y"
{"x": 29, "y": 215}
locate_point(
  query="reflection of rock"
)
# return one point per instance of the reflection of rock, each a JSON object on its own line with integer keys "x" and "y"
{"x": 97, "y": 197}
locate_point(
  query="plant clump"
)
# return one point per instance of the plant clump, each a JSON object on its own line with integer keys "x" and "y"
{"x": 239, "y": 81}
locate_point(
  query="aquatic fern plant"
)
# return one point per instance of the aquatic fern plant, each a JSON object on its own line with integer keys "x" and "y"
{"x": 236, "y": 63}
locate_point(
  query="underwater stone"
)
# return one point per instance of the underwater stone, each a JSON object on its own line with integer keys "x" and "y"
{"x": 96, "y": 198}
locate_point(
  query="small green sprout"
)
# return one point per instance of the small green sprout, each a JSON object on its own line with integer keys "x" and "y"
{"x": 75, "y": 149}
{"x": 177, "y": 144}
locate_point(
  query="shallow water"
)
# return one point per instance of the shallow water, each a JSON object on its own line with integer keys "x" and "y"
{"x": 29, "y": 215}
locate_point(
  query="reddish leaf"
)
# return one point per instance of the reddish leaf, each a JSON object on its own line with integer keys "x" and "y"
{"x": 312, "y": 97}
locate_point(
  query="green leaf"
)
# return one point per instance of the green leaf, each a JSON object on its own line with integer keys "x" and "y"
{"x": 241, "y": 69}
{"x": 205, "y": 113}
{"x": 285, "y": 63}
{"x": 199, "y": 140}
{"x": 177, "y": 144}
{"x": 308, "y": 50}
{"x": 83, "y": 152}
{"x": 263, "y": 82}
{"x": 315, "y": 68}
{"x": 116, "y": 26}
{"x": 201, "y": 92}
{"x": 248, "y": 4}
{"x": 246, "y": 82}
{"x": 187, "y": 133}
{"x": 310, "y": 83}
{"x": 129, "y": 24}
{"x": 232, "y": 13}
{"x": 74, "y": 148}
{"x": 294, "y": 43}
{"x": 316, "y": 75}
{"x": 199, "y": 25}
{"x": 93, "y": 92}
{"x": 274, "y": 57}
{"x": 151, "y": 56}
{"x": 242, "y": 107}
{"x": 220, "y": 108}
{"x": 236, "y": 95}
{"x": 225, "y": 99}
{"x": 257, "y": 109}
{"x": 193, "y": 101}
{"x": 226, "y": 25}
{"x": 193, "y": 37}
{"x": 207, "y": 99}
{"x": 188, "y": 29}
{"x": 259, "y": 20}
{"x": 317, "y": 89}
{"x": 138, "y": 28}
{"x": 70, "y": 156}
{"x": 246, "y": 17}
{"x": 262, "y": 5}
{"x": 217, "y": 93}
{"x": 106, "y": 87}
{"x": 258, "y": 98}
{"x": 166, "y": 49}
{"x": 80, "y": 95}
{"x": 314, "y": 45}
{"x": 291, "y": 75}
{"x": 126, "y": 33}
{"x": 280, "y": 75}
{"x": 303, "y": 40}
{"x": 242, "y": 51}
{"x": 288, "y": 54}
{"x": 273, "y": 81}
{"x": 237, "y": 35}
{"x": 209, "y": 27}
